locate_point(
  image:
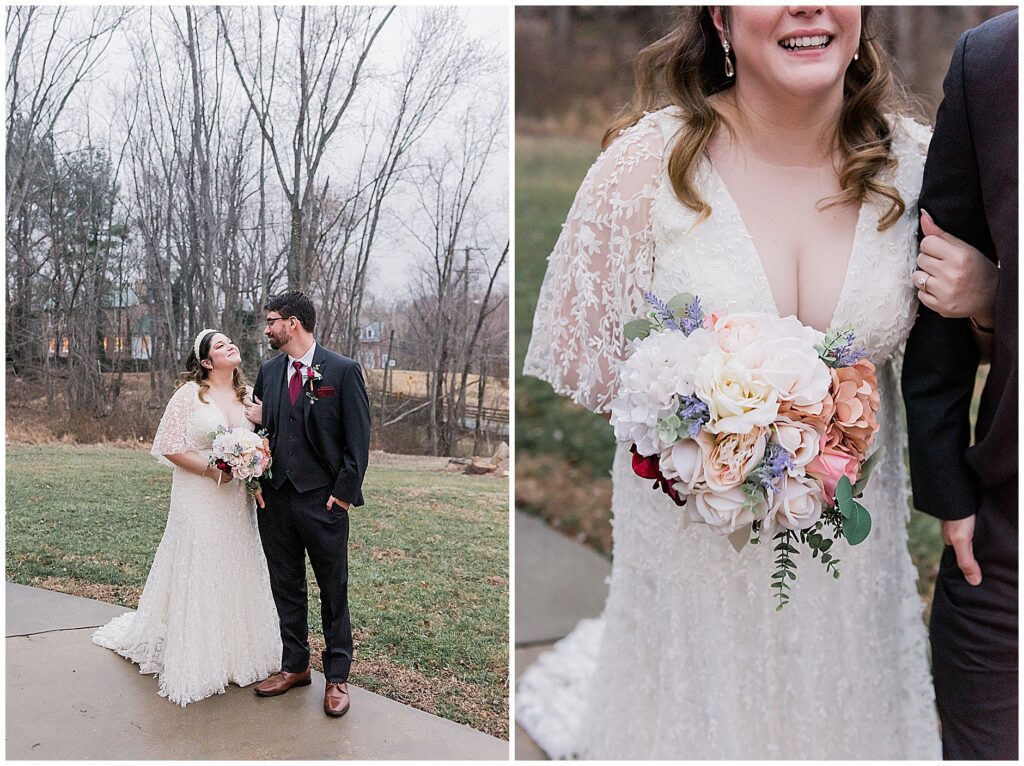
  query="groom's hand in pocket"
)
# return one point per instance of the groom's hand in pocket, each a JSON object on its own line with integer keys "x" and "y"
{"x": 332, "y": 501}
{"x": 960, "y": 534}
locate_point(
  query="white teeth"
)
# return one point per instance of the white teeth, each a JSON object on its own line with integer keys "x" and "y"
{"x": 814, "y": 41}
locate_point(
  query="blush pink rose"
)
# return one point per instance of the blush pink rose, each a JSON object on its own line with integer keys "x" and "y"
{"x": 830, "y": 466}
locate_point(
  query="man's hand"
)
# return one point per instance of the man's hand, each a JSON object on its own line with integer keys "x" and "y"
{"x": 254, "y": 411}
{"x": 961, "y": 282}
{"x": 960, "y": 534}
{"x": 332, "y": 500}
{"x": 258, "y": 494}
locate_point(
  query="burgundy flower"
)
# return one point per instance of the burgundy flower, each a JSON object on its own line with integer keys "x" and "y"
{"x": 645, "y": 467}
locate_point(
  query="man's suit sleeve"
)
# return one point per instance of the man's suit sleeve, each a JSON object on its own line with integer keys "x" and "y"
{"x": 355, "y": 436}
{"x": 941, "y": 360}
{"x": 257, "y": 387}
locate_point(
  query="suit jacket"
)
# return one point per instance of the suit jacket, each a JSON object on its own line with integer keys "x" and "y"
{"x": 337, "y": 424}
{"x": 970, "y": 189}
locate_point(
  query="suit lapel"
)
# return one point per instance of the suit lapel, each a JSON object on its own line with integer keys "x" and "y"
{"x": 319, "y": 357}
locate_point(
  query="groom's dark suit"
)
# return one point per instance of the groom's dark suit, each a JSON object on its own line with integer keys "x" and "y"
{"x": 970, "y": 190}
{"x": 320, "y": 449}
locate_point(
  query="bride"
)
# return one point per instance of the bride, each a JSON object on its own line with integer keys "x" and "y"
{"x": 760, "y": 168}
{"x": 206, "y": 616}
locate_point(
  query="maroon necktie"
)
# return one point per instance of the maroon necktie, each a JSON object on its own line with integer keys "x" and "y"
{"x": 295, "y": 384}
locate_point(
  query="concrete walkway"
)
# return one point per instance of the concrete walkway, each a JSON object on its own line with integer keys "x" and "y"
{"x": 558, "y": 583}
{"x": 70, "y": 699}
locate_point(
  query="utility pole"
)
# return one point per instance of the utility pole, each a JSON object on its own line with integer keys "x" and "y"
{"x": 384, "y": 382}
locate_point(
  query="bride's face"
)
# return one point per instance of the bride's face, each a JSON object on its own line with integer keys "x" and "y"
{"x": 798, "y": 50}
{"x": 223, "y": 354}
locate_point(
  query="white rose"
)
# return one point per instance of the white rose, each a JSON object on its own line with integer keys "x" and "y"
{"x": 683, "y": 463}
{"x": 721, "y": 510}
{"x": 738, "y": 400}
{"x": 800, "y": 440}
{"x": 791, "y": 366}
{"x": 792, "y": 327}
{"x": 797, "y": 506}
{"x": 736, "y": 331}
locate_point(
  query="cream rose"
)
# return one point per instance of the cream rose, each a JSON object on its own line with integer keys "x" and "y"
{"x": 737, "y": 399}
{"x": 683, "y": 463}
{"x": 733, "y": 457}
{"x": 797, "y": 506}
{"x": 721, "y": 510}
{"x": 800, "y": 440}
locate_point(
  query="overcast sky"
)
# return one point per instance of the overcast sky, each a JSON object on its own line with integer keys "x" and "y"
{"x": 97, "y": 110}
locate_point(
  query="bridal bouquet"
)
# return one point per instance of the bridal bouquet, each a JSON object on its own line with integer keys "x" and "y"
{"x": 760, "y": 426}
{"x": 242, "y": 452}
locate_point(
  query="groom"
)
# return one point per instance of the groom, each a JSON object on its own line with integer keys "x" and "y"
{"x": 313, "y": 403}
{"x": 970, "y": 190}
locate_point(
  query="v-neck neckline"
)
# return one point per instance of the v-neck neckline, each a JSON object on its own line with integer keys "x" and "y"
{"x": 756, "y": 257}
{"x": 224, "y": 417}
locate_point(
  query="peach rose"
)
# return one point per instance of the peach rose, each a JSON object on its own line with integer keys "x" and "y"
{"x": 855, "y": 393}
{"x": 830, "y": 466}
{"x": 733, "y": 457}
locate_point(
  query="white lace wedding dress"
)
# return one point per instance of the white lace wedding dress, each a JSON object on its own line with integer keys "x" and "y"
{"x": 206, "y": 616}
{"x": 690, "y": 660}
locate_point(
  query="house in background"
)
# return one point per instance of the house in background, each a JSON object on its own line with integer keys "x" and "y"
{"x": 371, "y": 350}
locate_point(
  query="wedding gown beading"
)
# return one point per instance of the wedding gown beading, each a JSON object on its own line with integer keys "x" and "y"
{"x": 690, "y": 658}
{"x": 206, "y": 616}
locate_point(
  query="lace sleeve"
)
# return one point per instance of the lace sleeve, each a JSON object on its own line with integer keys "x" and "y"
{"x": 595, "y": 273}
{"x": 172, "y": 435}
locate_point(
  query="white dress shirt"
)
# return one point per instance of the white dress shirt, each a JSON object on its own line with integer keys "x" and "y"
{"x": 306, "y": 359}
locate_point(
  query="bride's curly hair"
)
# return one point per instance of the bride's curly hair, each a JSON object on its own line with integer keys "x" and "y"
{"x": 196, "y": 373}
{"x": 687, "y": 65}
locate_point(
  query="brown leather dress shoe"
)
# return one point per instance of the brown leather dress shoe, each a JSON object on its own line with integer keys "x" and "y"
{"x": 336, "y": 699}
{"x": 281, "y": 682}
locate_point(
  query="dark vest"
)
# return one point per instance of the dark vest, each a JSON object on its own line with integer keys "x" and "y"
{"x": 294, "y": 456}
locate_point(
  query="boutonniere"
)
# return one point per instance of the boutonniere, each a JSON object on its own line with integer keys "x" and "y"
{"x": 313, "y": 378}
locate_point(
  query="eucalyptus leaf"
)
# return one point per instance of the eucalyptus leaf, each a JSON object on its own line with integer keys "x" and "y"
{"x": 844, "y": 490}
{"x": 865, "y": 471}
{"x": 680, "y": 302}
{"x": 858, "y": 525}
{"x": 637, "y": 328}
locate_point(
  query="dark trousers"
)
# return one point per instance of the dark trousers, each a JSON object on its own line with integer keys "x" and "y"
{"x": 974, "y": 643}
{"x": 292, "y": 525}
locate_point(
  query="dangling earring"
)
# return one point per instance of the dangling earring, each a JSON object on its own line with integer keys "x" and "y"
{"x": 729, "y": 71}
{"x": 856, "y": 56}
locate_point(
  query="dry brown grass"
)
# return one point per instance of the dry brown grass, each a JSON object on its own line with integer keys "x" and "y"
{"x": 569, "y": 498}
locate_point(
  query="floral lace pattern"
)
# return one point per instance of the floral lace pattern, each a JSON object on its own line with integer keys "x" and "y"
{"x": 690, "y": 659}
{"x": 206, "y": 617}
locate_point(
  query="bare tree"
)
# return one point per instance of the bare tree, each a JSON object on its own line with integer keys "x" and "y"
{"x": 331, "y": 46}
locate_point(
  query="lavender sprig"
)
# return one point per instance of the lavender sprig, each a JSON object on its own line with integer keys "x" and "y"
{"x": 694, "y": 414}
{"x": 662, "y": 312}
{"x": 773, "y": 466}
{"x": 838, "y": 349}
{"x": 694, "y": 316}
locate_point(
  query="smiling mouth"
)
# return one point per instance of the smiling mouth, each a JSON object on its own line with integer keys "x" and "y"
{"x": 811, "y": 42}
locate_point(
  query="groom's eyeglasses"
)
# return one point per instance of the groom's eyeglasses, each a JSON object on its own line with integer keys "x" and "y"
{"x": 271, "y": 320}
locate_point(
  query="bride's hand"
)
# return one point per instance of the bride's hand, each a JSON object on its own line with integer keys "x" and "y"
{"x": 953, "y": 278}
{"x": 254, "y": 410}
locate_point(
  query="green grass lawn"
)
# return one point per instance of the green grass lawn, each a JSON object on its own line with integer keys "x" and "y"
{"x": 549, "y": 170}
{"x": 428, "y": 565}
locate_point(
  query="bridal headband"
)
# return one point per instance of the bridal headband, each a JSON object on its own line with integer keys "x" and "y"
{"x": 199, "y": 340}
